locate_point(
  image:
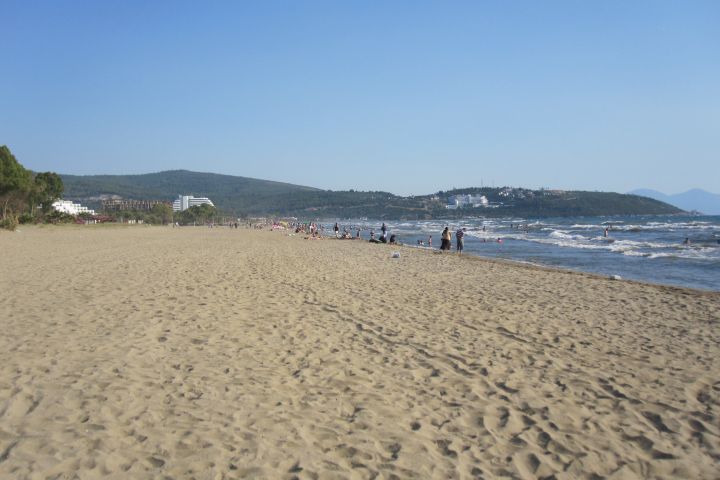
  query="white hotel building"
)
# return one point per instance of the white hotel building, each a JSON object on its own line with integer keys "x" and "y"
{"x": 459, "y": 201}
{"x": 183, "y": 202}
{"x": 67, "y": 206}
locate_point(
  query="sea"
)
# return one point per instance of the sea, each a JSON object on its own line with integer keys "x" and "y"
{"x": 669, "y": 250}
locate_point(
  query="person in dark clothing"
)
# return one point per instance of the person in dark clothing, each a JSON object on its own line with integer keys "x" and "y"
{"x": 460, "y": 238}
{"x": 445, "y": 239}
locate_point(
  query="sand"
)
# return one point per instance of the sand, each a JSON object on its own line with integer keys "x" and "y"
{"x": 158, "y": 352}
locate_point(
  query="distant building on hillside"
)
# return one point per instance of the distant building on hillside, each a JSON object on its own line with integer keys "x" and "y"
{"x": 67, "y": 206}
{"x": 183, "y": 202}
{"x": 122, "y": 205}
{"x": 459, "y": 201}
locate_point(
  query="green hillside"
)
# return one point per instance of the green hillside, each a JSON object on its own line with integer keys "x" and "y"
{"x": 228, "y": 192}
{"x": 251, "y": 197}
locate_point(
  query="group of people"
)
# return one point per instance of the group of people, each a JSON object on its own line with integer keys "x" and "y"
{"x": 384, "y": 237}
{"x": 446, "y": 239}
{"x": 345, "y": 233}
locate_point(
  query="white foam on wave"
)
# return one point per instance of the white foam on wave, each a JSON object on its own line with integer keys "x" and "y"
{"x": 632, "y": 244}
{"x": 703, "y": 254}
{"x": 493, "y": 236}
{"x": 566, "y": 235}
{"x": 671, "y": 226}
{"x": 569, "y": 243}
{"x": 634, "y": 253}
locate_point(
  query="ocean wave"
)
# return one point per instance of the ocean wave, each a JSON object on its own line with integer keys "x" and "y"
{"x": 493, "y": 235}
{"x": 587, "y": 226}
{"x": 703, "y": 254}
{"x": 564, "y": 234}
{"x": 568, "y": 243}
{"x": 632, "y": 244}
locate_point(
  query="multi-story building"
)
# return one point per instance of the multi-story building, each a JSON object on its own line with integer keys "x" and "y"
{"x": 67, "y": 206}
{"x": 183, "y": 202}
{"x": 459, "y": 201}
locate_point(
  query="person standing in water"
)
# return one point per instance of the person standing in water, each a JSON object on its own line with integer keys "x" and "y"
{"x": 459, "y": 237}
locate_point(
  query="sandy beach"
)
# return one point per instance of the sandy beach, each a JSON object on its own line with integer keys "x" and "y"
{"x": 158, "y": 352}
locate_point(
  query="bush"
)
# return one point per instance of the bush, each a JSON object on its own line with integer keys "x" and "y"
{"x": 59, "y": 217}
{"x": 9, "y": 223}
{"x": 26, "y": 218}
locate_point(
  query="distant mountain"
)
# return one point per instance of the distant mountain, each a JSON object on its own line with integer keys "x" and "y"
{"x": 253, "y": 197}
{"x": 695, "y": 199}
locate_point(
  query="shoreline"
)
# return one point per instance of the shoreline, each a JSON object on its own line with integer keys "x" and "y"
{"x": 529, "y": 264}
{"x": 434, "y": 250}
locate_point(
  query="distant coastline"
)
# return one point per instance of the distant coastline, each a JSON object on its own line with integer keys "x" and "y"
{"x": 242, "y": 196}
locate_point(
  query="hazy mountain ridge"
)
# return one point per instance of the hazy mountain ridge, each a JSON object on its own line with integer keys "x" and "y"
{"x": 253, "y": 197}
{"x": 694, "y": 199}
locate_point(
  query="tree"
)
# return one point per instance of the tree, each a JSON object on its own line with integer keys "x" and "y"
{"x": 15, "y": 182}
{"x": 198, "y": 214}
{"x": 163, "y": 212}
{"x": 48, "y": 187}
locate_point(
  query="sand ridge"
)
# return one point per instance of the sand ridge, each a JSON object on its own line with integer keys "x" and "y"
{"x": 152, "y": 352}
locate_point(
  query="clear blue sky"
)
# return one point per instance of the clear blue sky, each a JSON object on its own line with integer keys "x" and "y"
{"x": 409, "y": 97}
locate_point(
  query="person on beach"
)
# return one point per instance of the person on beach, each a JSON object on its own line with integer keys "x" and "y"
{"x": 384, "y": 229}
{"x": 337, "y": 230}
{"x": 445, "y": 239}
{"x": 459, "y": 237}
{"x": 430, "y": 241}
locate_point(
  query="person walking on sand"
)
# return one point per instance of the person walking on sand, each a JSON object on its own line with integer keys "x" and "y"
{"x": 459, "y": 237}
{"x": 445, "y": 239}
{"x": 337, "y": 230}
{"x": 384, "y": 229}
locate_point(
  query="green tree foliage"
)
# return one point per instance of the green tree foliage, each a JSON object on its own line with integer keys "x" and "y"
{"x": 48, "y": 187}
{"x": 163, "y": 214}
{"x": 20, "y": 192}
{"x": 197, "y": 214}
{"x": 15, "y": 186}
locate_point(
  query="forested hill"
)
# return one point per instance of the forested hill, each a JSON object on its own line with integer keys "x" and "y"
{"x": 251, "y": 197}
{"x": 226, "y": 191}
